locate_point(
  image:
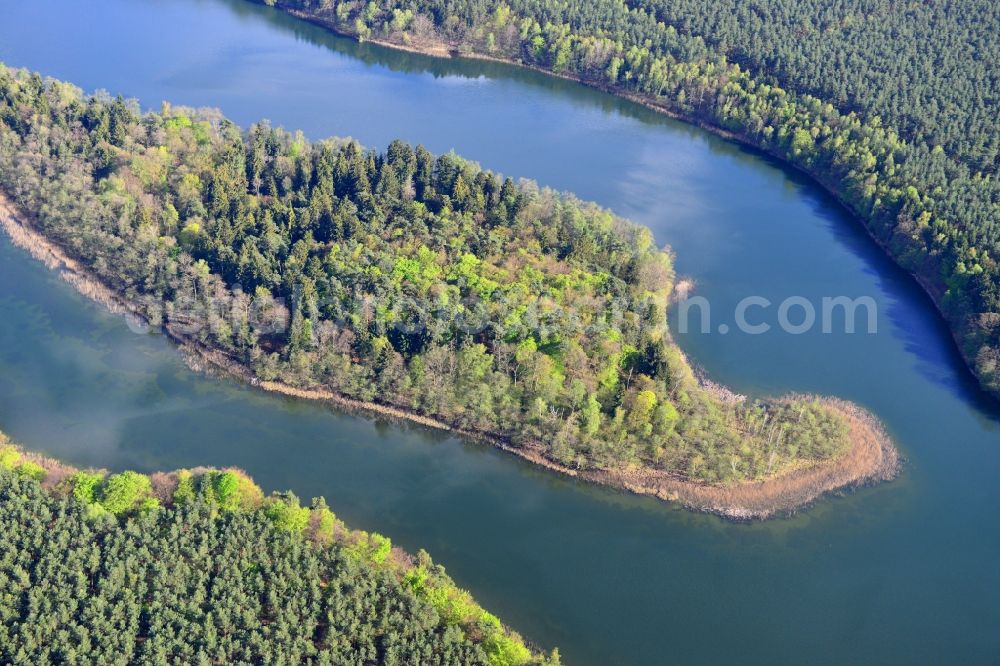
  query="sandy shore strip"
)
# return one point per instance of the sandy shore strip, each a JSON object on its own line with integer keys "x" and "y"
{"x": 872, "y": 457}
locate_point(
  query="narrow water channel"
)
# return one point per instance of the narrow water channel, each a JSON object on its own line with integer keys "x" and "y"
{"x": 902, "y": 573}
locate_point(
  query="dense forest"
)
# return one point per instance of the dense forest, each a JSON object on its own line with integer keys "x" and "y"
{"x": 199, "y": 567}
{"x": 400, "y": 278}
{"x": 892, "y": 106}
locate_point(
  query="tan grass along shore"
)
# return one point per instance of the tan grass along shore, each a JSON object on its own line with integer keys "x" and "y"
{"x": 872, "y": 457}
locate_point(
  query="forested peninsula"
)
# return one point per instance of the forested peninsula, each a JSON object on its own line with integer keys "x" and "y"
{"x": 407, "y": 284}
{"x": 199, "y": 567}
{"x": 889, "y": 106}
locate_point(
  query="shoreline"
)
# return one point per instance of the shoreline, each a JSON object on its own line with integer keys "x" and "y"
{"x": 447, "y": 52}
{"x": 872, "y": 458}
{"x": 57, "y": 479}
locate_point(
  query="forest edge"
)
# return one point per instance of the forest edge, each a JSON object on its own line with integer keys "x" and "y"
{"x": 446, "y": 51}
{"x": 872, "y": 457}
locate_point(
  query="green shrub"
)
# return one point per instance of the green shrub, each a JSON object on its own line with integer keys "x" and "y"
{"x": 285, "y": 512}
{"x": 9, "y": 456}
{"x": 85, "y": 486}
{"x": 30, "y": 470}
{"x": 233, "y": 490}
{"x": 185, "y": 492}
{"x": 125, "y": 492}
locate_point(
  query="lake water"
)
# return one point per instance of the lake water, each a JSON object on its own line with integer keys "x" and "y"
{"x": 903, "y": 573}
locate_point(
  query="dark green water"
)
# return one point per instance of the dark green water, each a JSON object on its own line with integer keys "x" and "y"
{"x": 903, "y": 573}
